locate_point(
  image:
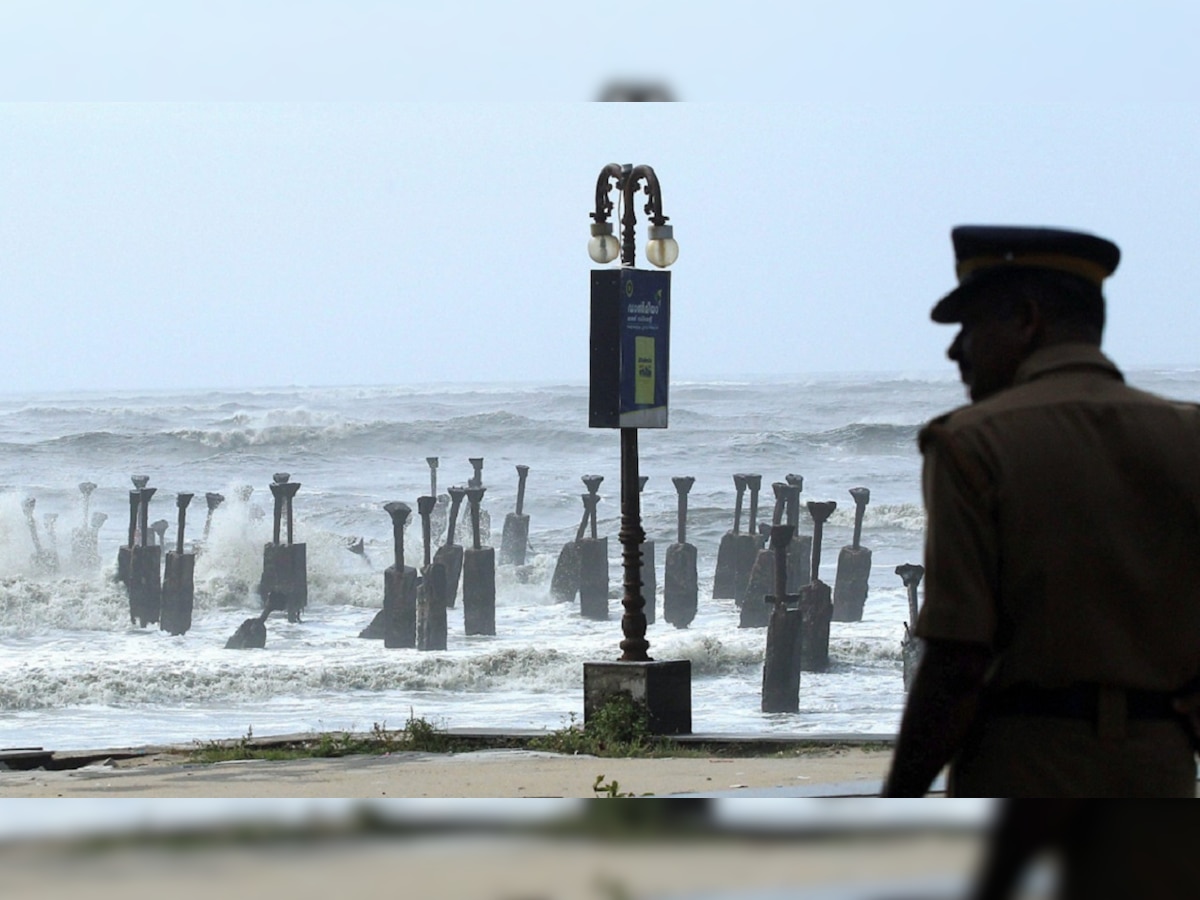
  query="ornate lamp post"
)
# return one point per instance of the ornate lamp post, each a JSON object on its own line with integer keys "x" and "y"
{"x": 661, "y": 250}
{"x": 629, "y": 357}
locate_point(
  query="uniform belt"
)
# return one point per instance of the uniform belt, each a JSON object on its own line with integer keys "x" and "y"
{"x": 1078, "y": 702}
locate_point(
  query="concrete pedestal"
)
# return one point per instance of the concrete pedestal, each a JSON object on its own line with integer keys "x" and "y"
{"x": 816, "y": 609}
{"x": 451, "y": 556}
{"x": 284, "y": 583}
{"x": 663, "y": 687}
{"x": 781, "y": 661}
{"x": 755, "y": 612}
{"x": 399, "y": 608}
{"x": 593, "y": 578}
{"x": 799, "y": 557}
{"x": 649, "y": 580}
{"x": 178, "y": 592}
{"x": 479, "y": 590}
{"x": 514, "y": 539}
{"x": 431, "y": 609}
{"x": 850, "y": 588}
{"x": 681, "y": 585}
{"x": 144, "y": 585}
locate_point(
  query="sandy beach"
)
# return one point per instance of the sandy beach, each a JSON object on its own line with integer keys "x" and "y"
{"x": 483, "y": 773}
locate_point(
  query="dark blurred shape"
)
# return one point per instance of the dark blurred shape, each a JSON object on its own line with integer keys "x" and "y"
{"x": 1102, "y": 849}
{"x": 634, "y": 91}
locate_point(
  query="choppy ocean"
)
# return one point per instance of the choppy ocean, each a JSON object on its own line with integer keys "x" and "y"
{"x": 74, "y": 673}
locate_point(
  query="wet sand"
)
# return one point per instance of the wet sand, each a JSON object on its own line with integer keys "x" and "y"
{"x": 484, "y": 773}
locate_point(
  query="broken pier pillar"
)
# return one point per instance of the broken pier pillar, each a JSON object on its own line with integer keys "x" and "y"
{"x": 816, "y": 600}
{"x": 911, "y": 647}
{"x": 800, "y": 548}
{"x": 593, "y": 558}
{"x": 431, "y": 592}
{"x": 725, "y": 574}
{"x": 399, "y": 587}
{"x": 144, "y": 584}
{"x": 479, "y": 575}
{"x": 681, "y": 581}
{"x": 515, "y": 537}
{"x": 755, "y": 613}
{"x": 781, "y": 661}
{"x": 450, "y": 554}
{"x": 179, "y": 571}
{"x": 284, "y": 583}
{"x": 649, "y": 569}
{"x": 854, "y": 567}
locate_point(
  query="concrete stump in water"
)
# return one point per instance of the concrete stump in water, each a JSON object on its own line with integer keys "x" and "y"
{"x": 761, "y": 583}
{"x": 725, "y": 574}
{"x": 854, "y": 568}
{"x": 515, "y": 537}
{"x": 251, "y": 634}
{"x": 649, "y": 569}
{"x": 681, "y": 582}
{"x": 479, "y": 576}
{"x": 135, "y": 505}
{"x": 450, "y": 554}
{"x": 593, "y": 578}
{"x": 816, "y": 600}
{"x": 284, "y": 583}
{"x": 568, "y": 571}
{"x": 911, "y": 647}
{"x": 431, "y": 592}
{"x": 144, "y": 579}
{"x": 800, "y": 549}
{"x": 781, "y": 661}
{"x": 178, "y": 588}
{"x": 144, "y": 586}
{"x": 746, "y": 546}
{"x": 399, "y": 587}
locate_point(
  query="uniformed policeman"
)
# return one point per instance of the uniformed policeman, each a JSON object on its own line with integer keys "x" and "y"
{"x": 1062, "y": 591}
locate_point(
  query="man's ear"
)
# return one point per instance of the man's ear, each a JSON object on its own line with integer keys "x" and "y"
{"x": 1031, "y": 321}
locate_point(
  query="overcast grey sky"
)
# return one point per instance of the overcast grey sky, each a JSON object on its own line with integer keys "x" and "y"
{"x": 381, "y": 193}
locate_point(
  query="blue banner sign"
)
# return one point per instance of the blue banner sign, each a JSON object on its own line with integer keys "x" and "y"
{"x": 630, "y": 348}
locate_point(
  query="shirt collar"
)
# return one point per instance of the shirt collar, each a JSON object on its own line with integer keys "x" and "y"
{"x": 1058, "y": 357}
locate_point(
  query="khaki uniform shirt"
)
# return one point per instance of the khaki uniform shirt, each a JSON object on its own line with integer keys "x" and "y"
{"x": 1063, "y": 528}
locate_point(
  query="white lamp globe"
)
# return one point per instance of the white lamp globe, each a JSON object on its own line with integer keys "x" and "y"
{"x": 661, "y": 249}
{"x": 603, "y": 247}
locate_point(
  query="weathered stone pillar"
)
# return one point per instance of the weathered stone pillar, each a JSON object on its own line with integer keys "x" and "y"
{"x": 144, "y": 586}
{"x": 399, "y": 587}
{"x": 649, "y": 569}
{"x": 284, "y": 583}
{"x": 911, "y": 647}
{"x": 781, "y": 662}
{"x": 800, "y": 549}
{"x": 816, "y": 600}
{"x": 515, "y": 537}
{"x": 761, "y": 583}
{"x": 564, "y": 580}
{"x": 178, "y": 590}
{"x": 450, "y": 554}
{"x": 431, "y": 593}
{"x": 749, "y": 545}
{"x": 135, "y": 504}
{"x": 479, "y": 575}
{"x": 725, "y": 574}
{"x": 681, "y": 580}
{"x": 854, "y": 567}
{"x": 593, "y": 558}
{"x": 213, "y": 500}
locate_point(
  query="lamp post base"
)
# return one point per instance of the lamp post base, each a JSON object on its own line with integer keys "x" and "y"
{"x": 663, "y": 687}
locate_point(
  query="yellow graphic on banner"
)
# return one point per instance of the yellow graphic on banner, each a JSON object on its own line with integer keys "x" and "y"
{"x": 643, "y": 384}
